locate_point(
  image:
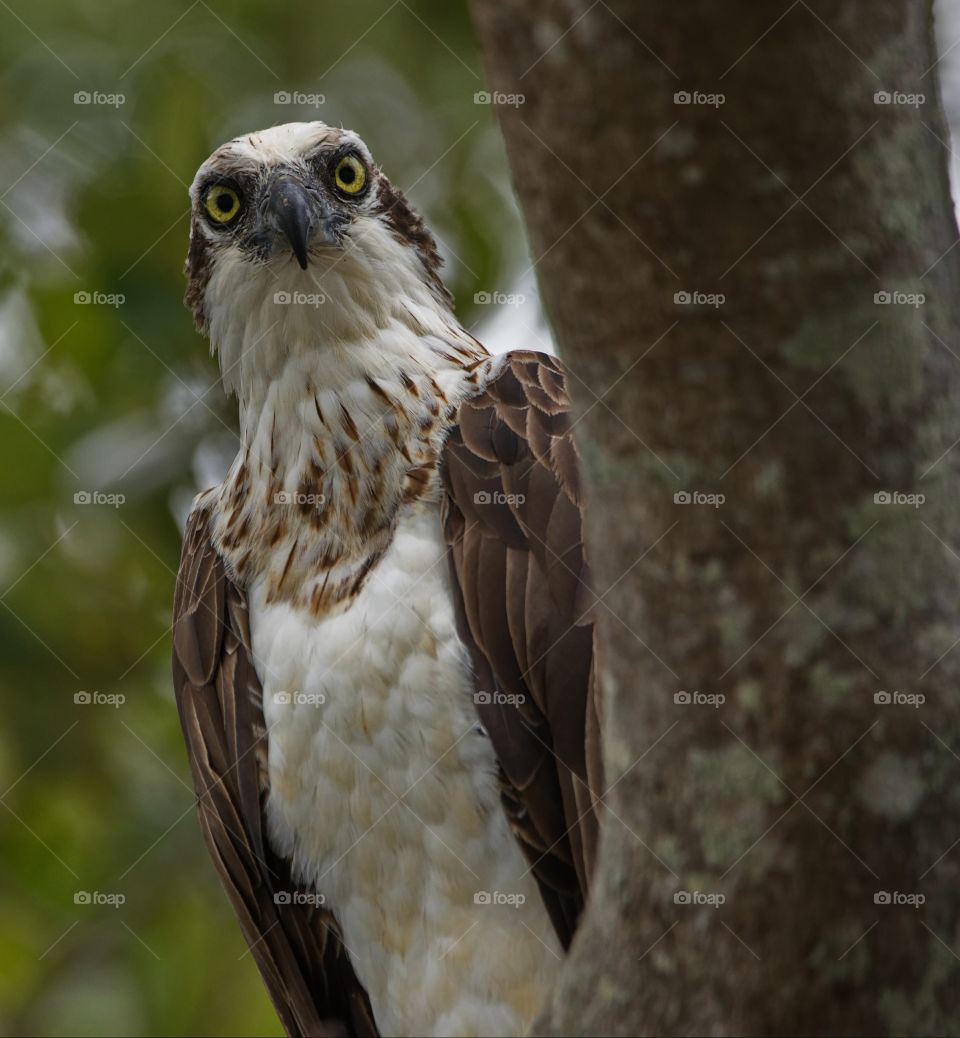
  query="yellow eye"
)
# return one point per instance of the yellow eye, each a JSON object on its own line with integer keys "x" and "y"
{"x": 350, "y": 175}
{"x": 222, "y": 202}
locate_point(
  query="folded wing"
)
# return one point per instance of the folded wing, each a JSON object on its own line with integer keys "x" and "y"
{"x": 296, "y": 945}
{"x": 513, "y": 516}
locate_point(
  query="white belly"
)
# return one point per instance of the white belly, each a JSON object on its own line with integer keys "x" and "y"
{"x": 384, "y": 794}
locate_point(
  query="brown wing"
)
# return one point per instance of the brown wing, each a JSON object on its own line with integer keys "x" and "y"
{"x": 296, "y": 946}
{"x": 513, "y": 518}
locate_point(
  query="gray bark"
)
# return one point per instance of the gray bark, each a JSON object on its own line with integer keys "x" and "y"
{"x": 802, "y": 597}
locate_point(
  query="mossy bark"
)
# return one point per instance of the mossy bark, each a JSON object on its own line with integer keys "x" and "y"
{"x": 820, "y": 610}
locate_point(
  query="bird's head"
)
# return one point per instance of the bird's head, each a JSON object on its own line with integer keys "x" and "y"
{"x": 302, "y": 209}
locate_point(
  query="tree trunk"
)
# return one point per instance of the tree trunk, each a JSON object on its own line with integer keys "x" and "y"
{"x": 737, "y": 284}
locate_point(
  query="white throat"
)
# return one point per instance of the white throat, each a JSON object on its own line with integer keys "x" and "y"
{"x": 348, "y": 375}
{"x": 263, "y": 316}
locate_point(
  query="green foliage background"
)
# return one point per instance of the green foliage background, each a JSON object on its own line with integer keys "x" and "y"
{"x": 123, "y": 400}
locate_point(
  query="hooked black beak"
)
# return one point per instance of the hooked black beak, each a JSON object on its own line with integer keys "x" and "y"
{"x": 292, "y": 209}
{"x": 300, "y": 215}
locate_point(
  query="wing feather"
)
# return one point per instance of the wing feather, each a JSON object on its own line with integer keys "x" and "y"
{"x": 296, "y": 946}
{"x": 513, "y": 518}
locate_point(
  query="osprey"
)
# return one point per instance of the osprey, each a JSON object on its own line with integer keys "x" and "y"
{"x": 383, "y": 638}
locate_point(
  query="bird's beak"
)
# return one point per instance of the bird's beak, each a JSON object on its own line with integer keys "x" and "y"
{"x": 300, "y": 216}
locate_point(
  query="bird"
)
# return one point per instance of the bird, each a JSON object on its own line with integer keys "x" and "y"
{"x": 384, "y": 652}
